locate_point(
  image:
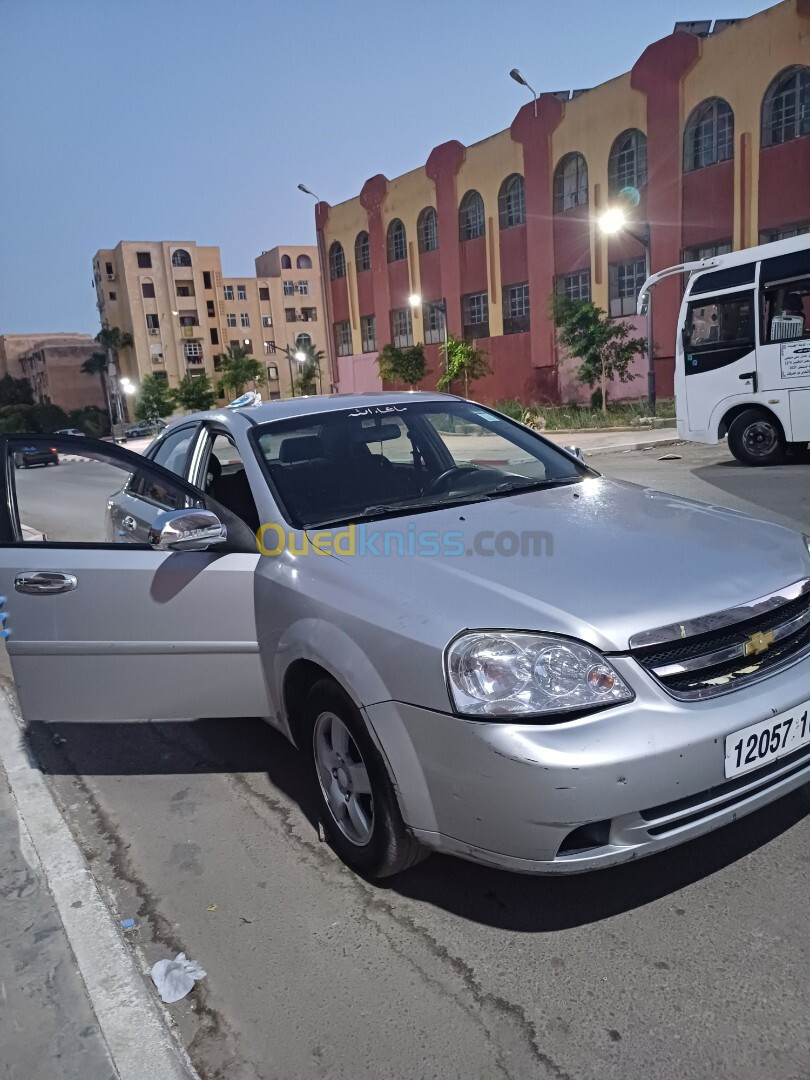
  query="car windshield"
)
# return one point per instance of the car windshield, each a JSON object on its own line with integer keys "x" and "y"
{"x": 385, "y": 460}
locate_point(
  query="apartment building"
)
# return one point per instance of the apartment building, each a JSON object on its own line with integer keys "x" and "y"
{"x": 52, "y": 364}
{"x": 182, "y": 313}
{"x": 293, "y": 277}
{"x": 705, "y": 143}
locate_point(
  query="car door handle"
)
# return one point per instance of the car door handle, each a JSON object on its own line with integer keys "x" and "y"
{"x": 752, "y": 375}
{"x": 44, "y": 582}
{"x": 129, "y": 523}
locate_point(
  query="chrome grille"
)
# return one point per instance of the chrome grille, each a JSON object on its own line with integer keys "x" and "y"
{"x": 730, "y": 648}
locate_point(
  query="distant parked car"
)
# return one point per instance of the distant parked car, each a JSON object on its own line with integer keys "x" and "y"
{"x": 36, "y": 455}
{"x": 68, "y": 431}
{"x": 147, "y": 428}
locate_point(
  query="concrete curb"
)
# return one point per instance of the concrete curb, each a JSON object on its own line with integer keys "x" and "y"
{"x": 137, "y": 1037}
{"x": 622, "y": 448}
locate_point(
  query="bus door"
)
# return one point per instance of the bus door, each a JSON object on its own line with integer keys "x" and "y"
{"x": 784, "y": 353}
{"x": 718, "y": 347}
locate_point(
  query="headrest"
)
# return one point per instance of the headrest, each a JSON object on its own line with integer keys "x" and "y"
{"x": 301, "y": 448}
{"x": 214, "y": 468}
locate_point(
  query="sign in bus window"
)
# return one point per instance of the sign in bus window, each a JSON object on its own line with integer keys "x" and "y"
{"x": 723, "y": 320}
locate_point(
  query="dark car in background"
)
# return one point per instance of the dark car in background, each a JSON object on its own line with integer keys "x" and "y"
{"x": 36, "y": 455}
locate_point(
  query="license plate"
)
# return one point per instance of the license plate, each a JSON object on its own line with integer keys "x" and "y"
{"x": 754, "y": 746}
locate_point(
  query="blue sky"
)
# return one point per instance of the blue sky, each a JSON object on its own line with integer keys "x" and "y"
{"x": 195, "y": 119}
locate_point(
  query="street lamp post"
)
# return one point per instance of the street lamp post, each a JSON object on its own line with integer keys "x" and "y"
{"x": 516, "y": 75}
{"x": 415, "y": 300}
{"x": 615, "y": 221}
{"x": 325, "y": 292}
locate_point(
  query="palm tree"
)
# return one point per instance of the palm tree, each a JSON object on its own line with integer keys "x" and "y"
{"x": 236, "y": 368}
{"x": 112, "y": 340}
{"x": 96, "y": 364}
{"x": 308, "y": 380}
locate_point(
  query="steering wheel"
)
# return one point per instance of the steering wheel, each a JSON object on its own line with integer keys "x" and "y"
{"x": 439, "y": 483}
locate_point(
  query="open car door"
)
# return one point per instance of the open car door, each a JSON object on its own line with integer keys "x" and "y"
{"x": 103, "y": 619}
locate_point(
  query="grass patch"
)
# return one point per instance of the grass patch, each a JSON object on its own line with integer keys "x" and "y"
{"x": 559, "y": 417}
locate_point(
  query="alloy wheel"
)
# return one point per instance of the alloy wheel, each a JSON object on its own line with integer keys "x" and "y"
{"x": 344, "y": 779}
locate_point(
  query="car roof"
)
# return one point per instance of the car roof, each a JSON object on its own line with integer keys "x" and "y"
{"x": 313, "y": 405}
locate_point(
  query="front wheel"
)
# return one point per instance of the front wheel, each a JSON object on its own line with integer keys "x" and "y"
{"x": 359, "y": 809}
{"x": 756, "y": 438}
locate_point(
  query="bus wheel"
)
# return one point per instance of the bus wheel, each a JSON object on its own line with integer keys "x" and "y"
{"x": 755, "y": 437}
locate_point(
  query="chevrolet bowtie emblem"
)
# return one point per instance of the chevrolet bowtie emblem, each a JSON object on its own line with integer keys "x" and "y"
{"x": 758, "y": 643}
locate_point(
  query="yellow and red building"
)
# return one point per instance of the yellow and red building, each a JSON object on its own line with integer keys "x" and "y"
{"x": 707, "y": 138}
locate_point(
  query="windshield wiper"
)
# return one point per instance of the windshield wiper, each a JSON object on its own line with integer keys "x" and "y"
{"x": 379, "y": 510}
{"x": 510, "y": 487}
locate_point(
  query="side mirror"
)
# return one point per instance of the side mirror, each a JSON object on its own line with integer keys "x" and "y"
{"x": 187, "y": 530}
{"x": 576, "y": 451}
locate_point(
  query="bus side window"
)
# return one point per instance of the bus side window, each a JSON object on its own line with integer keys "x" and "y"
{"x": 787, "y": 310}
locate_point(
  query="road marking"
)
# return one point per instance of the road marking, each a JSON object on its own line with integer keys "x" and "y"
{"x": 133, "y": 1027}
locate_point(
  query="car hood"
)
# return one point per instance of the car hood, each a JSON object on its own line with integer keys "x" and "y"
{"x": 610, "y": 560}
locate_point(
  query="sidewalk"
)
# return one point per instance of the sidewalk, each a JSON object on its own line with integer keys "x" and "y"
{"x": 47, "y": 1025}
{"x": 74, "y": 1003}
{"x": 605, "y": 440}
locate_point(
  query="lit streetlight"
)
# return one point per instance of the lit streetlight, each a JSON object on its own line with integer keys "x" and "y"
{"x": 610, "y": 223}
{"x": 416, "y": 301}
{"x": 301, "y": 357}
{"x": 516, "y": 75}
{"x": 128, "y": 386}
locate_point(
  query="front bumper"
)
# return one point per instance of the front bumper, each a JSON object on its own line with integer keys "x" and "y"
{"x": 650, "y": 774}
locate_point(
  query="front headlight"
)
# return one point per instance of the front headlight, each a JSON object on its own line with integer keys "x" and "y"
{"x": 494, "y": 673}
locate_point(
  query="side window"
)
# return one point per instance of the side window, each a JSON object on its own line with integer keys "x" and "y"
{"x": 223, "y": 460}
{"x": 720, "y": 321}
{"x": 66, "y": 493}
{"x": 787, "y": 310}
{"x": 172, "y": 453}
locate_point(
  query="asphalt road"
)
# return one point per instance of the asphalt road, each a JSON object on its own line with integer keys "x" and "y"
{"x": 689, "y": 964}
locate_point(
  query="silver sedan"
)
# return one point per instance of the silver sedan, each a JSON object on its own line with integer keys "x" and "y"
{"x": 479, "y": 644}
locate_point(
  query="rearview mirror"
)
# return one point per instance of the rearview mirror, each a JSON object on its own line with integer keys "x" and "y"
{"x": 187, "y": 530}
{"x": 576, "y": 451}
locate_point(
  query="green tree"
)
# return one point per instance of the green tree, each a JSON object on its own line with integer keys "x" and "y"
{"x": 308, "y": 381}
{"x": 96, "y": 364}
{"x": 91, "y": 420}
{"x": 605, "y": 347}
{"x": 16, "y": 418}
{"x": 402, "y": 365}
{"x": 154, "y": 398}
{"x": 194, "y": 393}
{"x": 236, "y": 369}
{"x": 15, "y": 391}
{"x": 47, "y": 418}
{"x": 463, "y": 362}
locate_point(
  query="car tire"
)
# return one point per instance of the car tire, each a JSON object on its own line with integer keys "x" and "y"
{"x": 364, "y": 827}
{"x": 755, "y": 437}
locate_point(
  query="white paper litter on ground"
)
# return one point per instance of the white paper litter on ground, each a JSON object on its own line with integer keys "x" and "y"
{"x": 175, "y": 978}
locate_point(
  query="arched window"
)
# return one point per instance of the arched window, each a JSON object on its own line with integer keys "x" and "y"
{"x": 362, "y": 252}
{"x": 303, "y": 262}
{"x": 303, "y": 341}
{"x": 427, "y": 229}
{"x": 471, "y": 217}
{"x": 786, "y": 107}
{"x": 337, "y": 261}
{"x": 286, "y": 262}
{"x": 180, "y": 257}
{"x": 512, "y": 202}
{"x": 627, "y": 165}
{"x": 570, "y": 183}
{"x": 397, "y": 241}
{"x": 709, "y": 135}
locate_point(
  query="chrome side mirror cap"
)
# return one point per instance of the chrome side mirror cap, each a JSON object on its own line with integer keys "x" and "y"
{"x": 187, "y": 530}
{"x": 576, "y": 451}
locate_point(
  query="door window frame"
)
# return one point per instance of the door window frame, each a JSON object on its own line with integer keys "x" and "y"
{"x": 10, "y": 526}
